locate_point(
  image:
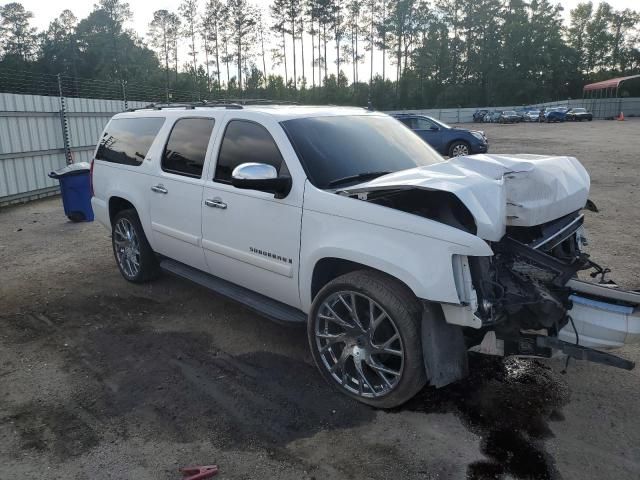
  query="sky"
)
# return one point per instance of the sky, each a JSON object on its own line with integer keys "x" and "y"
{"x": 44, "y": 11}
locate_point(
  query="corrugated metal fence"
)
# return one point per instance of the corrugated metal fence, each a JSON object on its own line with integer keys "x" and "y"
{"x": 32, "y": 140}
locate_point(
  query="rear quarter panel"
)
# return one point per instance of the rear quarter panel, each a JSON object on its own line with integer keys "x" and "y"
{"x": 129, "y": 182}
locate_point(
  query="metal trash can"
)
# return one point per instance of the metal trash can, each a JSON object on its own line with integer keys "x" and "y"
{"x": 75, "y": 187}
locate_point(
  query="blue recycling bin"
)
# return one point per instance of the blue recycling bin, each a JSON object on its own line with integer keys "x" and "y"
{"x": 75, "y": 187}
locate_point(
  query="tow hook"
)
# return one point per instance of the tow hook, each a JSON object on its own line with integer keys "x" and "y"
{"x": 543, "y": 346}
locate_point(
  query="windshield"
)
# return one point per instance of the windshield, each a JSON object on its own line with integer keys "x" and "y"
{"x": 579, "y": 110}
{"x": 334, "y": 148}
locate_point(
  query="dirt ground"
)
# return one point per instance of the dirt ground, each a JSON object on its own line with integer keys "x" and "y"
{"x": 102, "y": 379}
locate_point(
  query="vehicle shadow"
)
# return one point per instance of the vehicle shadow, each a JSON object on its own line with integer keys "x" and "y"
{"x": 509, "y": 404}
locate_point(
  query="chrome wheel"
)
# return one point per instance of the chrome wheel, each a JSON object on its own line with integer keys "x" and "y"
{"x": 359, "y": 344}
{"x": 127, "y": 247}
{"x": 459, "y": 150}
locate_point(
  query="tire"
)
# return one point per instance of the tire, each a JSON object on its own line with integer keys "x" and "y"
{"x": 338, "y": 360}
{"x": 134, "y": 257}
{"x": 459, "y": 148}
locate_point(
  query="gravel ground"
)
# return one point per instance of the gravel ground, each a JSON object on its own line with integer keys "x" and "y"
{"x": 103, "y": 379}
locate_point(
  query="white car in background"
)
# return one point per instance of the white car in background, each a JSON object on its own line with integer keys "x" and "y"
{"x": 398, "y": 261}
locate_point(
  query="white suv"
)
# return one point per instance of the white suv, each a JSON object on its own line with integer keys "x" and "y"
{"x": 398, "y": 260}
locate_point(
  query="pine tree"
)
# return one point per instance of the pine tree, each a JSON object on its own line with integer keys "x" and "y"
{"x": 243, "y": 23}
{"x": 189, "y": 11}
{"x": 213, "y": 19}
{"x": 162, "y": 32}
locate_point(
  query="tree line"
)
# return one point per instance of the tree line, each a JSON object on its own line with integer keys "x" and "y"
{"x": 418, "y": 53}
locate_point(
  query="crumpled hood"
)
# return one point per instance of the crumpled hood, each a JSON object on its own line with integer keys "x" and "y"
{"x": 499, "y": 190}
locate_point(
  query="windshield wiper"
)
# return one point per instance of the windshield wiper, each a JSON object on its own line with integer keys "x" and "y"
{"x": 359, "y": 176}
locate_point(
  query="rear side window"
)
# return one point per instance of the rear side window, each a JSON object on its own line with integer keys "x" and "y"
{"x": 186, "y": 148}
{"x": 127, "y": 140}
{"x": 245, "y": 141}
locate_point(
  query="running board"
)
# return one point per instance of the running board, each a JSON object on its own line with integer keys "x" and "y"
{"x": 261, "y": 304}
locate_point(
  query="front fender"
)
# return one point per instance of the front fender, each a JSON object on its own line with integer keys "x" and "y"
{"x": 423, "y": 263}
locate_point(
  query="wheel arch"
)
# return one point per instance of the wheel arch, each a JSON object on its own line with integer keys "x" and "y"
{"x": 327, "y": 269}
{"x": 119, "y": 201}
{"x": 118, "y": 204}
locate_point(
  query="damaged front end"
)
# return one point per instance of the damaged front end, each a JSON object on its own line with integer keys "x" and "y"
{"x": 531, "y": 303}
{"x": 526, "y": 299}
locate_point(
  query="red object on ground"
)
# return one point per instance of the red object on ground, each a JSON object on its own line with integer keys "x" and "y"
{"x": 199, "y": 472}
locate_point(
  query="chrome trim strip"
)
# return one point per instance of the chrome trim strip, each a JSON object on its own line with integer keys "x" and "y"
{"x": 280, "y": 268}
{"x": 576, "y": 223}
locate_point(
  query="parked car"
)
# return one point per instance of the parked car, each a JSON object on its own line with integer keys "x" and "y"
{"x": 557, "y": 114}
{"x": 531, "y": 116}
{"x": 521, "y": 112}
{"x": 444, "y": 139}
{"x": 509, "y": 116}
{"x": 492, "y": 117}
{"x": 578, "y": 115}
{"x": 397, "y": 260}
{"x": 478, "y": 115}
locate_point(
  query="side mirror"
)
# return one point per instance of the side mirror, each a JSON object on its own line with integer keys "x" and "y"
{"x": 434, "y": 128}
{"x": 261, "y": 177}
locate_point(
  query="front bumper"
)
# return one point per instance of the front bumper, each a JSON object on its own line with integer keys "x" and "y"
{"x": 480, "y": 148}
{"x": 604, "y": 317}
{"x": 532, "y": 295}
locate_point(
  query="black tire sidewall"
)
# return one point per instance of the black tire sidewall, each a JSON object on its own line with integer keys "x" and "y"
{"x": 407, "y": 323}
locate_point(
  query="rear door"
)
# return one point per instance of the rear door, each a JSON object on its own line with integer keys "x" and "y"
{"x": 250, "y": 237}
{"x": 176, "y": 191}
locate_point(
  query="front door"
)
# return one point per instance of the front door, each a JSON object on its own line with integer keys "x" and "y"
{"x": 176, "y": 192}
{"x": 250, "y": 237}
{"x": 429, "y": 131}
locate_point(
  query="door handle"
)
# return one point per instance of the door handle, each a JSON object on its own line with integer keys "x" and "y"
{"x": 159, "y": 189}
{"x": 215, "y": 203}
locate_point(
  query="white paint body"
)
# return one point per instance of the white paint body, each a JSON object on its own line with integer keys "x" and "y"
{"x": 311, "y": 224}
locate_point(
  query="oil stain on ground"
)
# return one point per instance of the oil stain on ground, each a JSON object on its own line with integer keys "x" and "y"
{"x": 509, "y": 404}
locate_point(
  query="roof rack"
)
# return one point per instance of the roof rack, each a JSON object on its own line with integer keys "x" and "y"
{"x": 188, "y": 105}
{"x": 254, "y": 101}
{"x": 230, "y": 103}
